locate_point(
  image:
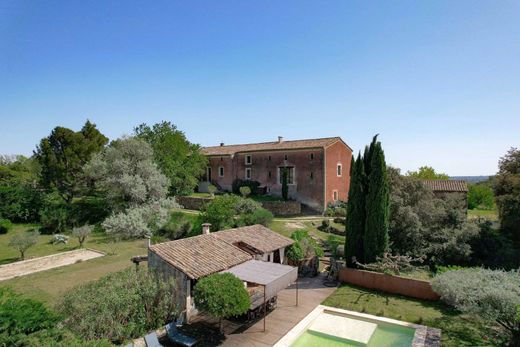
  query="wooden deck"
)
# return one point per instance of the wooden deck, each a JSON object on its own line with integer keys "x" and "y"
{"x": 279, "y": 321}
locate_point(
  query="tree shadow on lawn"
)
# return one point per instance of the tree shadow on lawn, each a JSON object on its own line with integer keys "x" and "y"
{"x": 9, "y": 260}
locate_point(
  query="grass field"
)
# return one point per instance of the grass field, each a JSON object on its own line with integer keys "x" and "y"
{"x": 49, "y": 285}
{"x": 492, "y": 215}
{"x": 457, "y": 329}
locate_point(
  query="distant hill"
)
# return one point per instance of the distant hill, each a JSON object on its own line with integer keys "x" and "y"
{"x": 470, "y": 179}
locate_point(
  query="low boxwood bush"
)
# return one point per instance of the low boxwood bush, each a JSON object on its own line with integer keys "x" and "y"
{"x": 238, "y": 183}
{"x": 5, "y": 225}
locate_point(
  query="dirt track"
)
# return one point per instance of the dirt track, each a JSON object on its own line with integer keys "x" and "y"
{"x": 26, "y": 267}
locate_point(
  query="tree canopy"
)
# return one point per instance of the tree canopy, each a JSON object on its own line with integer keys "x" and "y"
{"x": 507, "y": 192}
{"x": 222, "y": 295}
{"x": 180, "y": 160}
{"x": 63, "y": 154}
{"x": 427, "y": 173}
{"x": 126, "y": 174}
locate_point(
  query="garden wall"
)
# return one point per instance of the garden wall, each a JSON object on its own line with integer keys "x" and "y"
{"x": 192, "y": 202}
{"x": 388, "y": 283}
{"x": 283, "y": 208}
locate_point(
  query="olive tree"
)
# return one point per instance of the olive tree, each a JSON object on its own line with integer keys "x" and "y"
{"x": 22, "y": 242}
{"x": 126, "y": 173}
{"x": 222, "y": 295}
{"x": 81, "y": 233}
{"x": 491, "y": 294}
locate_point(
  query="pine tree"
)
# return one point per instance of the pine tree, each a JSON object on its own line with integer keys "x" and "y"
{"x": 355, "y": 223}
{"x": 375, "y": 241}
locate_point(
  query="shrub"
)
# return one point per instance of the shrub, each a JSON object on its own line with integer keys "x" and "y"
{"x": 222, "y": 295}
{"x": 23, "y": 241}
{"x": 243, "y": 205}
{"x": 245, "y": 191}
{"x": 258, "y": 216}
{"x": 54, "y": 216}
{"x": 480, "y": 196}
{"x": 89, "y": 210}
{"x": 120, "y": 306}
{"x": 5, "y": 225}
{"x": 212, "y": 189}
{"x": 305, "y": 246}
{"x": 177, "y": 227}
{"x": 139, "y": 221}
{"x": 491, "y": 294}
{"x": 253, "y": 185}
{"x": 20, "y": 315}
{"x": 20, "y": 204}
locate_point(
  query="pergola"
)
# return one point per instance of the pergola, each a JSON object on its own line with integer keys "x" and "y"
{"x": 273, "y": 277}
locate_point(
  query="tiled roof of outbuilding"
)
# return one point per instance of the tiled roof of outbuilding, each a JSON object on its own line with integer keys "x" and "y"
{"x": 203, "y": 255}
{"x": 446, "y": 185}
{"x": 270, "y": 146}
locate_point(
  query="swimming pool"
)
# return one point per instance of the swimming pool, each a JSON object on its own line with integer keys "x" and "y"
{"x": 328, "y": 326}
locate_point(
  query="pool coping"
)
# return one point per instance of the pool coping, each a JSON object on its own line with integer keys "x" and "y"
{"x": 420, "y": 338}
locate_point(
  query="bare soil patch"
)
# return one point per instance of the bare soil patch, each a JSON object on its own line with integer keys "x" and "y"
{"x": 27, "y": 267}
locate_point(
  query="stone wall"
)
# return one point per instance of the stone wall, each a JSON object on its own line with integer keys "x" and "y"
{"x": 192, "y": 202}
{"x": 388, "y": 283}
{"x": 283, "y": 208}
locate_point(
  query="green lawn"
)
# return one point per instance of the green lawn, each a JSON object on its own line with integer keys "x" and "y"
{"x": 457, "y": 329}
{"x": 492, "y": 215}
{"x": 49, "y": 285}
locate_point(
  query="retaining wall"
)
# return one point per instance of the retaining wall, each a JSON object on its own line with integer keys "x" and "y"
{"x": 283, "y": 208}
{"x": 388, "y": 283}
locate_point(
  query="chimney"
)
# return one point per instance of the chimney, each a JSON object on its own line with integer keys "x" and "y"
{"x": 222, "y": 144}
{"x": 206, "y": 228}
{"x": 280, "y": 139}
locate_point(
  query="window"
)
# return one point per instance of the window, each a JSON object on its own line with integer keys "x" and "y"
{"x": 221, "y": 159}
{"x": 290, "y": 174}
{"x": 221, "y": 171}
{"x": 269, "y": 174}
{"x": 285, "y": 157}
{"x": 312, "y": 175}
{"x": 269, "y": 158}
{"x": 248, "y": 160}
{"x": 248, "y": 173}
{"x": 339, "y": 169}
{"x": 312, "y": 156}
{"x": 335, "y": 195}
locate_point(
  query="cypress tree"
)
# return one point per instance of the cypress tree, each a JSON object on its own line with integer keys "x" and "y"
{"x": 375, "y": 242}
{"x": 355, "y": 223}
{"x": 285, "y": 186}
{"x": 369, "y": 152}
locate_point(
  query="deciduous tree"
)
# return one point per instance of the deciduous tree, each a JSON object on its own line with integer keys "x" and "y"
{"x": 23, "y": 241}
{"x": 428, "y": 173}
{"x": 507, "y": 192}
{"x": 180, "y": 160}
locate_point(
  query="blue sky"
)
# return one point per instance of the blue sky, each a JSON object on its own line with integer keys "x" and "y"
{"x": 439, "y": 80}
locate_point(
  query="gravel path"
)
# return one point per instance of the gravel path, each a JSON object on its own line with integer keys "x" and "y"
{"x": 26, "y": 267}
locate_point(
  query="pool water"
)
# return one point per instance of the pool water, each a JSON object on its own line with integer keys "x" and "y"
{"x": 384, "y": 336}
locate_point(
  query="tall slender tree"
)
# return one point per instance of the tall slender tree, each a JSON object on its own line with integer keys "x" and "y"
{"x": 355, "y": 224}
{"x": 375, "y": 242}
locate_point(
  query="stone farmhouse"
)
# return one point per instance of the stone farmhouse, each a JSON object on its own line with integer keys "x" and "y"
{"x": 255, "y": 250}
{"x": 319, "y": 169}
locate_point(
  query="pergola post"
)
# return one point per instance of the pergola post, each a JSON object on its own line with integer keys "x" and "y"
{"x": 296, "y": 291}
{"x": 265, "y": 309}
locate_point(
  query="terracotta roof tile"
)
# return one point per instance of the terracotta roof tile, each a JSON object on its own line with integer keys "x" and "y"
{"x": 268, "y": 146}
{"x": 446, "y": 185}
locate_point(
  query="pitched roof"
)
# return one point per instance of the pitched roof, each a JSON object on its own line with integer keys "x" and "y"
{"x": 258, "y": 237}
{"x": 269, "y": 146}
{"x": 446, "y": 185}
{"x": 203, "y": 255}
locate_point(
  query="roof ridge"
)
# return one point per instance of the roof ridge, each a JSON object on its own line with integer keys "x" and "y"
{"x": 274, "y": 142}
